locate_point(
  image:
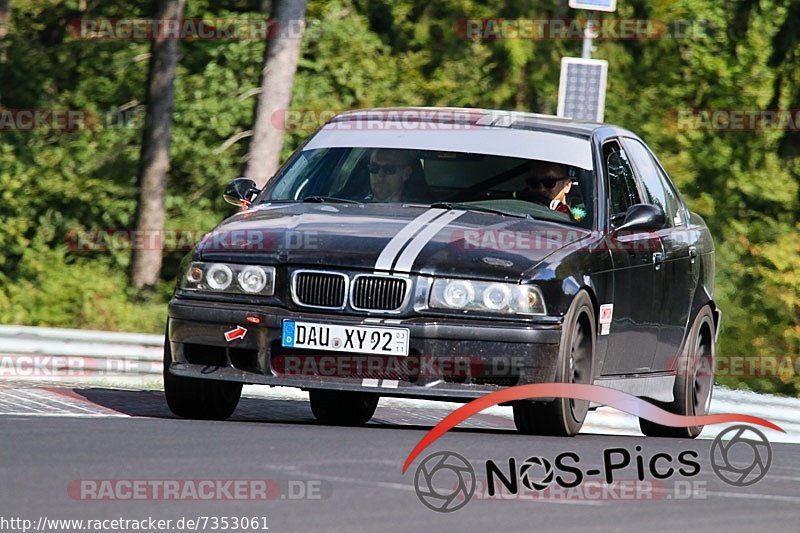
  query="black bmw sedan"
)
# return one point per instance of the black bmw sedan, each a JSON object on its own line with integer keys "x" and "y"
{"x": 444, "y": 254}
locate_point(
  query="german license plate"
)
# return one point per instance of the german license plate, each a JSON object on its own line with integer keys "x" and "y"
{"x": 338, "y": 338}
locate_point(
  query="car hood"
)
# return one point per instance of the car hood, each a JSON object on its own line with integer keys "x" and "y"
{"x": 385, "y": 237}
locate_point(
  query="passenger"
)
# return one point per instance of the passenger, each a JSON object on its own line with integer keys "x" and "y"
{"x": 547, "y": 184}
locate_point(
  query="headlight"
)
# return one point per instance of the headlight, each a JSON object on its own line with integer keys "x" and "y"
{"x": 458, "y": 294}
{"x": 228, "y": 278}
{"x": 252, "y": 279}
{"x": 496, "y": 296}
{"x": 489, "y": 297}
{"x": 219, "y": 277}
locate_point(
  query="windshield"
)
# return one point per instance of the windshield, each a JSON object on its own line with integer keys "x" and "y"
{"x": 505, "y": 185}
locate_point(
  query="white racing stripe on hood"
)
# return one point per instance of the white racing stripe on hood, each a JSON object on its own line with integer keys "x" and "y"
{"x": 393, "y": 247}
{"x": 409, "y": 255}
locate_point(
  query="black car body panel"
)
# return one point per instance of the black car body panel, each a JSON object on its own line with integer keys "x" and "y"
{"x": 296, "y": 234}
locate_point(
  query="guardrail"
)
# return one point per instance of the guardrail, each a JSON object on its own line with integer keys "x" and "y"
{"x": 34, "y": 352}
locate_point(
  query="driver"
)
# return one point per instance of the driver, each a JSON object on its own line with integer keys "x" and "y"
{"x": 547, "y": 184}
{"x": 389, "y": 170}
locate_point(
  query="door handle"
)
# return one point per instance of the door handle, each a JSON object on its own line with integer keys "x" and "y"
{"x": 692, "y": 254}
{"x": 658, "y": 259}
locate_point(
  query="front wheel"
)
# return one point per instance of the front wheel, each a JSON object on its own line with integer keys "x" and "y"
{"x": 694, "y": 381}
{"x": 565, "y": 416}
{"x": 343, "y": 408}
{"x": 197, "y": 398}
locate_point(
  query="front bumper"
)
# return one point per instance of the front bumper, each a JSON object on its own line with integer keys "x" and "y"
{"x": 448, "y": 358}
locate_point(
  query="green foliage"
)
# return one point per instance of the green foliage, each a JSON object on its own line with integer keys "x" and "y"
{"x": 52, "y": 290}
{"x": 741, "y": 55}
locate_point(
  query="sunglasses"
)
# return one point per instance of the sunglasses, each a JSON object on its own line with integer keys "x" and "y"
{"x": 547, "y": 183}
{"x": 375, "y": 168}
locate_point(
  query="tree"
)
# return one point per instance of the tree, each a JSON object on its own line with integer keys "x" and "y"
{"x": 154, "y": 161}
{"x": 5, "y": 16}
{"x": 277, "y": 78}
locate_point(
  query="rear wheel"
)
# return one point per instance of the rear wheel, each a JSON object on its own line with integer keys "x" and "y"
{"x": 196, "y": 398}
{"x": 565, "y": 416}
{"x": 694, "y": 381}
{"x": 343, "y": 408}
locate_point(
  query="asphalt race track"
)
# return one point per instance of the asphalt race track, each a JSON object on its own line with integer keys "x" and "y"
{"x": 52, "y": 437}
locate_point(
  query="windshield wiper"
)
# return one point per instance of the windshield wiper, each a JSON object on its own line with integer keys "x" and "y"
{"x": 327, "y": 200}
{"x": 469, "y": 207}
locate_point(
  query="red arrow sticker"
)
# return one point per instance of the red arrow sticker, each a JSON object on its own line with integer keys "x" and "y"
{"x": 234, "y": 334}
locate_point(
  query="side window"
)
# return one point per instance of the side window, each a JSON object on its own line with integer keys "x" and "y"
{"x": 622, "y": 184}
{"x": 657, "y": 190}
{"x": 672, "y": 196}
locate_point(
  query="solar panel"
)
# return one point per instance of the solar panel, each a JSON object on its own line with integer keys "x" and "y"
{"x": 594, "y": 5}
{"x": 582, "y": 89}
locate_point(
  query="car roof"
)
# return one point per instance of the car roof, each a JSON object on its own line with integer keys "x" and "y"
{"x": 485, "y": 118}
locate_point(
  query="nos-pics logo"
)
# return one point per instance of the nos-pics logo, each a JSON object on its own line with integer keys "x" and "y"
{"x": 445, "y": 481}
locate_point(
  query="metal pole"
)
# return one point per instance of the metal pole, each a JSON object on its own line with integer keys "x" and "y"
{"x": 588, "y": 37}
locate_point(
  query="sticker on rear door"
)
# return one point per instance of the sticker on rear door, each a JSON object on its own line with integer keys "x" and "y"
{"x": 606, "y": 314}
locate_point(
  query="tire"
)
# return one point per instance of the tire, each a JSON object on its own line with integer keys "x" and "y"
{"x": 692, "y": 390}
{"x": 197, "y": 398}
{"x": 343, "y": 408}
{"x": 564, "y": 416}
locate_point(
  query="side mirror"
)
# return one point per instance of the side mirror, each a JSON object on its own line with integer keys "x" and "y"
{"x": 241, "y": 192}
{"x": 642, "y": 217}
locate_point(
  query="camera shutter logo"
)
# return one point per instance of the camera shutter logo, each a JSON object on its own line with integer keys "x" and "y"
{"x": 531, "y": 481}
{"x": 744, "y": 459}
{"x": 455, "y": 486}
